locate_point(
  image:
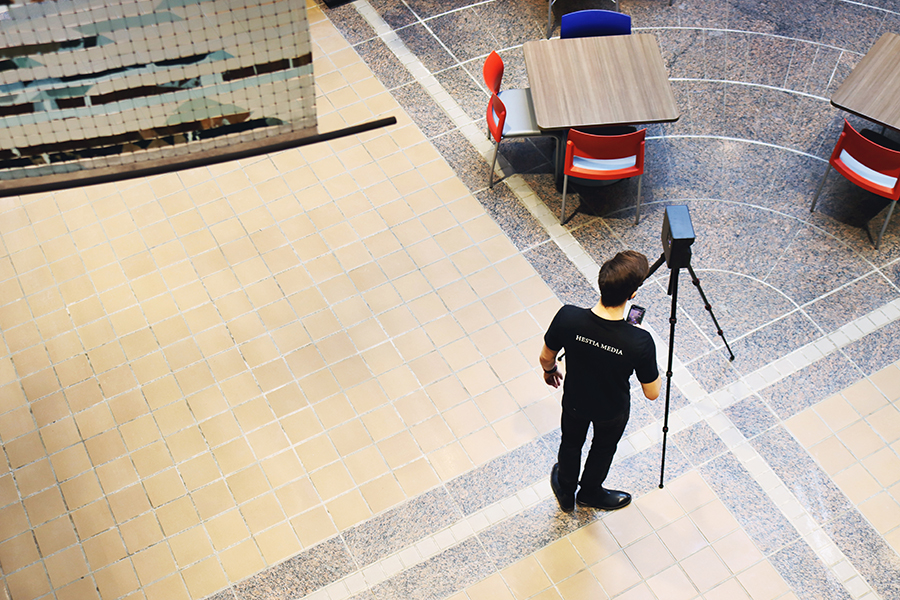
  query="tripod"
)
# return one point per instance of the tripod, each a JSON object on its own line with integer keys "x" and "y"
{"x": 673, "y": 291}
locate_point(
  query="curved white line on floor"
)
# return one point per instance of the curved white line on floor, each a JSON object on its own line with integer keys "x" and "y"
{"x": 750, "y": 84}
{"x": 747, "y": 32}
{"x": 864, "y": 5}
{"x": 734, "y": 139}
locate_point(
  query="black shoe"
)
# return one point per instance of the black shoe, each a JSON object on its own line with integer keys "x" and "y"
{"x": 566, "y": 501}
{"x": 604, "y": 499}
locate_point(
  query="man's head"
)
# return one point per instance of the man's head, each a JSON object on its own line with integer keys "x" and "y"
{"x": 621, "y": 276}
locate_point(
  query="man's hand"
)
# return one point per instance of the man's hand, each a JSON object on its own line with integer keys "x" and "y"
{"x": 554, "y": 378}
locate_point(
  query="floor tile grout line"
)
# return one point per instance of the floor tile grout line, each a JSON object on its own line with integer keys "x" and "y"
{"x": 427, "y": 27}
{"x": 789, "y": 71}
{"x": 421, "y": 19}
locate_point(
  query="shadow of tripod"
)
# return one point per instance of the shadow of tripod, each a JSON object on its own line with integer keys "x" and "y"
{"x": 677, "y": 237}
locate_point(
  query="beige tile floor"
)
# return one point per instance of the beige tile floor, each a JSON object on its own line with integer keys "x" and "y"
{"x": 206, "y": 372}
{"x": 855, "y": 437}
{"x": 677, "y": 540}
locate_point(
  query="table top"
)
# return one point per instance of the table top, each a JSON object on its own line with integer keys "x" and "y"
{"x": 872, "y": 90}
{"x": 610, "y": 80}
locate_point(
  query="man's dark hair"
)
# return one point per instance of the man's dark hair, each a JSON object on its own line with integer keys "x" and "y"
{"x": 621, "y": 276}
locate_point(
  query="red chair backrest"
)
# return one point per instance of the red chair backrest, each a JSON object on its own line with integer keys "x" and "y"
{"x": 876, "y": 157}
{"x": 496, "y": 117}
{"x": 493, "y": 72}
{"x": 586, "y": 145}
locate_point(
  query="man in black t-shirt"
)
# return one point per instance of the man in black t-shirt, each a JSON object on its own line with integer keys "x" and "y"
{"x": 602, "y": 351}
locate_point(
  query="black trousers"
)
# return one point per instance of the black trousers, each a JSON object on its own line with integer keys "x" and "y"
{"x": 603, "y": 447}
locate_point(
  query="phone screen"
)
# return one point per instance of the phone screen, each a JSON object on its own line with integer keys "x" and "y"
{"x": 636, "y": 314}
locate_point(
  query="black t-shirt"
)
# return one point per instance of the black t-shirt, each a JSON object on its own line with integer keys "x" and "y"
{"x": 600, "y": 357}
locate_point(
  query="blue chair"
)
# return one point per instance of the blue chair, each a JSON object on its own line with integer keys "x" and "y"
{"x": 550, "y": 4}
{"x": 594, "y": 23}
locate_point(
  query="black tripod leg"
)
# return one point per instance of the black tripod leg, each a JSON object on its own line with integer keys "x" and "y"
{"x": 673, "y": 291}
{"x": 696, "y": 281}
{"x": 656, "y": 265}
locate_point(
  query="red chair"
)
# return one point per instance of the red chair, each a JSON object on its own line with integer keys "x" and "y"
{"x": 870, "y": 165}
{"x": 604, "y": 158}
{"x": 513, "y": 118}
{"x": 493, "y": 72}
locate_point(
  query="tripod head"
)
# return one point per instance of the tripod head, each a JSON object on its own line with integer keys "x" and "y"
{"x": 677, "y": 236}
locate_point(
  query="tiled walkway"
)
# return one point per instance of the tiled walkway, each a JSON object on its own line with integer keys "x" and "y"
{"x": 314, "y": 373}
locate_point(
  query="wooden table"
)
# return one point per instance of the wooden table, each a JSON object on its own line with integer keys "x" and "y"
{"x": 611, "y": 80}
{"x": 872, "y": 90}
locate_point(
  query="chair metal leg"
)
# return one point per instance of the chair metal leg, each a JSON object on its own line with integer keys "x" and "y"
{"x": 819, "y": 189}
{"x": 493, "y": 165}
{"x": 562, "y": 212}
{"x": 556, "y": 160}
{"x": 886, "y": 219}
{"x": 637, "y": 216}
{"x": 550, "y": 17}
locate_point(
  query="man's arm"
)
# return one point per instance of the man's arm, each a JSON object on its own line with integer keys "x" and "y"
{"x": 651, "y": 390}
{"x": 552, "y": 376}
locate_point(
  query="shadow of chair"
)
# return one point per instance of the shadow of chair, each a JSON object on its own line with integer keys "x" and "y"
{"x": 514, "y": 119}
